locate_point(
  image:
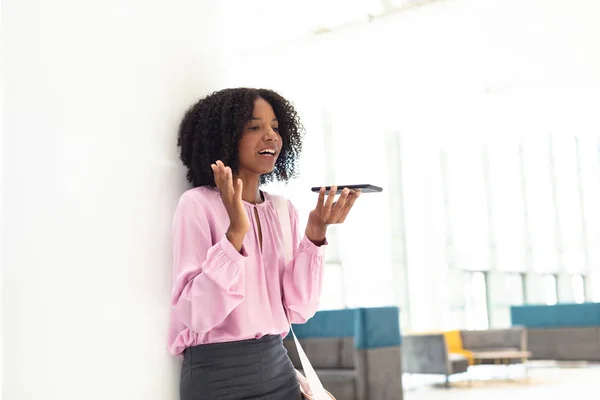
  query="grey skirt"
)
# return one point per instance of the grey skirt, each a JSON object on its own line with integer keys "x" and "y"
{"x": 257, "y": 369}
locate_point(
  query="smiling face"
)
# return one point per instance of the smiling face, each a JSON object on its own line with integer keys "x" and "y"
{"x": 260, "y": 144}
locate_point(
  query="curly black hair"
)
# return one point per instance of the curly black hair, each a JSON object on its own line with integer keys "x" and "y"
{"x": 211, "y": 129}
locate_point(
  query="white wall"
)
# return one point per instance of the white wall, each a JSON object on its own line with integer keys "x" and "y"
{"x": 93, "y": 95}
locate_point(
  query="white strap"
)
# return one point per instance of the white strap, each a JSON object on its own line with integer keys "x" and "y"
{"x": 283, "y": 212}
{"x": 316, "y": 387}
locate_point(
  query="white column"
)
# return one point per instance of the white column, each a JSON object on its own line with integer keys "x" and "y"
{"x": 93, "y": 95}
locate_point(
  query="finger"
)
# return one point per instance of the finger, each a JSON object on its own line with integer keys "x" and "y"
{"x": 351, "y": 200}
{"x": 228, "y": 181}
{"x": 331, "y": 197}
{"x": 213, "y": 167}
{"x": 220, "y": 170}
{"x": 239, "y": 186}
{"x": 217, "y": 176}
{"x": 342, "y": 201}
{"x": 321, "y": 199}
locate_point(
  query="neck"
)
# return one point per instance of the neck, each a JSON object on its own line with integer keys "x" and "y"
{"x": 251, "y": 191}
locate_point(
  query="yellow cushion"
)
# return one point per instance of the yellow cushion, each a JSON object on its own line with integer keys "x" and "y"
{"x": 454, "y": 343}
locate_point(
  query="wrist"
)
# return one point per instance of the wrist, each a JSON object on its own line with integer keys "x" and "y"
{"x": 236, "y": 237}
{"x": 316, "y": 234}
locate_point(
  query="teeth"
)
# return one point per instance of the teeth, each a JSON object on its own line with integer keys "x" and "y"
{"x": 272, "y": 152}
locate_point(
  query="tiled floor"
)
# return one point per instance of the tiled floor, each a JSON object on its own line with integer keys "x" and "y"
{"x": 545, "y": 381}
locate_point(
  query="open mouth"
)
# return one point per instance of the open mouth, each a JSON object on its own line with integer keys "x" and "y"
{"x": 267, "y": 153}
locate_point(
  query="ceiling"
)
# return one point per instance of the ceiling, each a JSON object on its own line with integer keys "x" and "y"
{"x": 279, "y": 21}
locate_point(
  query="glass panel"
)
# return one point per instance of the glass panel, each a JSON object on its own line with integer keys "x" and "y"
{"x": 589, "y": 158}
{"x": 370, "y": 218}
{"x": 372, "y": 212}
{"x": 596, "y": 289}
{"x": 368, "y": 283}
{"x": 476, "y": 307}
{"x": 332, "y": 295}
{"x": 578, "y": 283}
{"x": 569, "y": 203}
{"x": 508, "y": 218}
{"x": 514, "y": 290}
{"x": 425, "y": 240}
{"x": 550, "y": 289}
{"x": 540, "y": 204}
{"x": 468, "y": 205}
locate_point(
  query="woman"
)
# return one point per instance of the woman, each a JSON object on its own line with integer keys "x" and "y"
{"x": 232, "y": 291}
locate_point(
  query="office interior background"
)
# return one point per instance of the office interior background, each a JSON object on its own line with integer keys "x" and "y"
{"x": 478, "y": 118}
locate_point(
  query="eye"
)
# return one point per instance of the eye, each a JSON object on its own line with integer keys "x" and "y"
{"x": 253, "y": 128}
{"x": 276, "y": 129}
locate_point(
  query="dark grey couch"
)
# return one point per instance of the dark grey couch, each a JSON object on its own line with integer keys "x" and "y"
{"x": 561, "y": 332}
{"x": 509, "y": 339}
{"x": 350, "y": 373}
{"x": 565, "y": 344}
{"x": 355, "y": 352}
{"x": 428, "y": 354}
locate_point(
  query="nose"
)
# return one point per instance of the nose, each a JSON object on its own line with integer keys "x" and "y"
{"x": 271, "y": 135}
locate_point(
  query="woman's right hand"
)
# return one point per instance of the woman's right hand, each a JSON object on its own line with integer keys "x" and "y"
{"x": 231, "y": 195}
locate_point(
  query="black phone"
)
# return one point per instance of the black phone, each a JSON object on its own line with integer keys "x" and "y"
{"x": 364, "y": 188}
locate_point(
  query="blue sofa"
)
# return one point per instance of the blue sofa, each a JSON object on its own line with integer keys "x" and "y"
{"x": 563, "y": 332}
{"x": 356, "y": 352}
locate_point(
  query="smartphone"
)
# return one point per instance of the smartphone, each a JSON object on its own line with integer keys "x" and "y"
{"x": 364, "y": 188}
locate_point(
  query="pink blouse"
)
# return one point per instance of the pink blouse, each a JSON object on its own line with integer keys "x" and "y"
{"x": 222, "y": 295}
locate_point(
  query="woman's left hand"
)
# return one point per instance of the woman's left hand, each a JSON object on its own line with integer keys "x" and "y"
{"x": 328, "y": 212}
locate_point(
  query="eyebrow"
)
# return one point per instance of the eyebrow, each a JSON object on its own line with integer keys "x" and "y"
{"x": 258, "y": 119}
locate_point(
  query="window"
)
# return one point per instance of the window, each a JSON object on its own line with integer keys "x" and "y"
{"x": 514, "y": 290}
{"x": 467, "y": 205}
{"x": 589, "y": 157}
{"x": 507, "y": 204}
{"x": 578, "y": 285}
{"x": 568, "y": 196}
{"x": 476, "y": 307}
{"x": 549, "y": 289}
{"x": 351, "y": 240}
{"x": 596, "y": 290}
{"x": 540, "y": 203}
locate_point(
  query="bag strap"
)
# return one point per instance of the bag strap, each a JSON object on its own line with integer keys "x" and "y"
{"x": 283, "y": 212}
